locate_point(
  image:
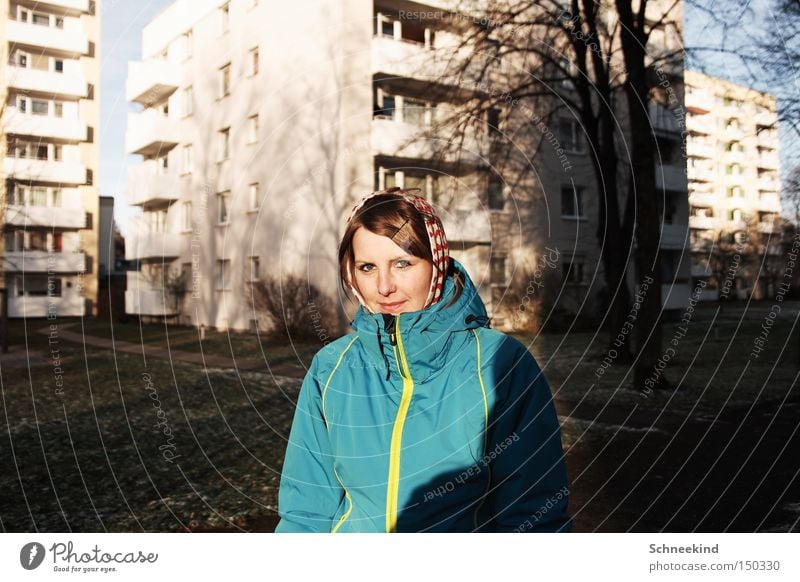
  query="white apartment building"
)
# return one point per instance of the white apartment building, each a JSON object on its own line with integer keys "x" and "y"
{"x": 260, "y": 124}
{"x": 49, "y": 123}
{"x": 734, "y": 185}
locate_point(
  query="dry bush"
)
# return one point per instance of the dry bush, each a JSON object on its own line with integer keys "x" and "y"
{"x": 294, "y": 308}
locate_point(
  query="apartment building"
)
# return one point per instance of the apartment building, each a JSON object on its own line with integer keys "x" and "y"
{"x": 260, "y": 124}
{"x": 734, "y": 186}
{"x": 49, "y": 121}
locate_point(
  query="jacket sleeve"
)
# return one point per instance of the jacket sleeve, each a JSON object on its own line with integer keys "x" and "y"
{"x": 309, "y": 492}
{"x": 528, "y": 490}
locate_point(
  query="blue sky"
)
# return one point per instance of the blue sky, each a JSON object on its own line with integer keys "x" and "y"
{"x": 120, "y": 42}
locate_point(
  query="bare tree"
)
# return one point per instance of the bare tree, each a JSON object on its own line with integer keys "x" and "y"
{"x": 591, "y": 61}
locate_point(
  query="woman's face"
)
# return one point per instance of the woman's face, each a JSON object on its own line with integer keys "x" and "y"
{"x": 389, "y": 279}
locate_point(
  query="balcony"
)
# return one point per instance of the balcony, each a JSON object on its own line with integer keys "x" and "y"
{"x": 673, "y": 236}
{"x": 769, "y": 228}
{"x": 152, "y": 81}
{"x": 675, "y": 296}
{"x": 69, "y": 41}
{"x": 399, "y": 58}
{"x": 52, "y": 217}
{"x": 703, "y": 222}
{"x": 700, "y": 124}
{"x": 671, "y": 177}
{"x": 700, "y": 149}
{"x": 44, "y": 261}
{"x": 66, "y": 306}
{"x": 146, "y": 185}
{"x": 768, "y": 161}
{"x": 467, "y": 225}
{"x": 149, "y": 133}
{"x": 143, "y": 245}
{"x": 141, "y": 298}
{"x": 72, "y": 84}
{"x": 734, "y": 225}
{"x": 701, "y": 245}
{"x": 397, "y": 139}
{"x": 28, "y": 169}
{"x": 770, "y": 184}
{"x": 769, "y": 203}
{"x": 60, "y": 128}
{"x": 701, "y": 173}
{"x": 699, "y": 100}
{"x": 702, "y": 198}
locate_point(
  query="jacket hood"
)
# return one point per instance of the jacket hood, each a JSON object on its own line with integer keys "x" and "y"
{"x": 428, "y": 335}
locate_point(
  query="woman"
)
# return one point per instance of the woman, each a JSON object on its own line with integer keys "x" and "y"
{"x": 423, "y": 419}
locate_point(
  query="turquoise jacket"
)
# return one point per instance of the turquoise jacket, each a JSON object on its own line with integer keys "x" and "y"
{"x": 424, "y": 421}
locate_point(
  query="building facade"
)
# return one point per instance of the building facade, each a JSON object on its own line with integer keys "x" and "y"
{"x": 257, "y": 138}
{"x": 49, "y": 122}
{"x": 734, "y": 187}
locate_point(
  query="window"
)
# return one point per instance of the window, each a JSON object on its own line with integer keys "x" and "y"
{"x": 186, "y": 216}
{"x": 225, "y": 80}
{"x": 572, "y": 272}
{"x": 41, "y": 19}
{"x": 498, "y": 270}
{"x": 55, "y": 198}
{"x": 23, "y": 15}
{"x": 225, "y": 143}
{"x": 493, "y": 120}
{"x": 38, "y": 196}
{"x": 225, "y": 18}
{"x": 23, "y": 105}
{"x": 59, "y": 22}
{"x": 253, "y": 62}
{"x": 39, "y": 285}
{"x": 569, "y": 135}
{"x": 223, "y": 268}
{"x": 495, "y": 193}
{"x": 58, "y": 65}
{"x": 252, "y": 129}
{"x": 188, "y": 163}
{"x": 162, "y": 165}
{"x": 386, "y": 106}
{"x": 413, "y": 111}
{"x": 58, "y": 109}
{"x": 188, "y": 101}
{"x": 387, "y": 28}
{"x": 255, "y": 269}
{"x": 572, "y": 202}
{"x": 57, "y": 152}
{"x": 41, "y": 152}
{"x": 223, "y": 201}
{"x": 255, "y": 196}
{"x": 39, "y": 107}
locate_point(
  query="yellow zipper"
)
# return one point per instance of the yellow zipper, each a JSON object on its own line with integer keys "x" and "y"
{"x": 393, "y": 482}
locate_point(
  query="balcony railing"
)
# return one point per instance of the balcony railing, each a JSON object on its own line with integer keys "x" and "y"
{"x": 147, "y": 184}
{"x": 71, "y": 84}
{"x": 47, "y": 216}
{"x": 71, "y": 41}
{"x": 60, "y": 128}
{"x": 44, "y": 261}
{"x": 152, "y": 81}
{"x": 29, "y": 169}
{"x": 142, "y": 298}
{"x": 151, "y": 133}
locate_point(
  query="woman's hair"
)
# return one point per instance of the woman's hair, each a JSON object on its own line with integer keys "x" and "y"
{"x": 394, "y": 217}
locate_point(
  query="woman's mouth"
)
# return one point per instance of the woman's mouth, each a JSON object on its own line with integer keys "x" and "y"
{"x": 391, "y": 306}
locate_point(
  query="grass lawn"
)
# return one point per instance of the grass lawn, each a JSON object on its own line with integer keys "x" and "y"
{"x": 105, "y": 442}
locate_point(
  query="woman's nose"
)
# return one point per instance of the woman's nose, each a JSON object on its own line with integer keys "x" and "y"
{"x": 386, "y": 285}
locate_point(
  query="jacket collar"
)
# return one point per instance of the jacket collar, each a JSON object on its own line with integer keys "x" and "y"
{"x": 430, "y": 335}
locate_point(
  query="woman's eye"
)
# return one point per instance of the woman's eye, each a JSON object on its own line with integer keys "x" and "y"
{"x": 403, "y": 264}
{"x": 365, "y": 268}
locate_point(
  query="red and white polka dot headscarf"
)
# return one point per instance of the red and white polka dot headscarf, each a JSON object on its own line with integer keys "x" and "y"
{"x": 439, "y": 249}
